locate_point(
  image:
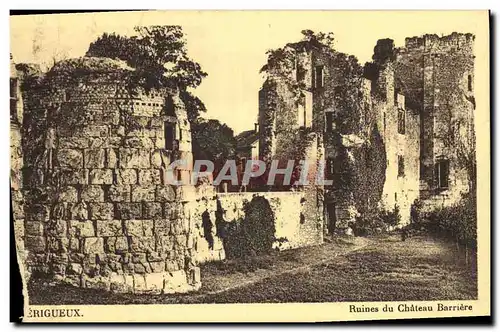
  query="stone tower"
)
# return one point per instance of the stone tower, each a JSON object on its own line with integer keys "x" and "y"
{"x": 103, "y": 211}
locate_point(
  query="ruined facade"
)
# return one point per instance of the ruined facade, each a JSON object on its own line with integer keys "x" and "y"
{"x": 392, "y": 132}
{"x": 99, "y": 211}
{"x": 437, "y": 76}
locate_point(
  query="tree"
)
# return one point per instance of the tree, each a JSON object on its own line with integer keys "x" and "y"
{"x": 159, "y": 55}
{"x": 212, "y": 140}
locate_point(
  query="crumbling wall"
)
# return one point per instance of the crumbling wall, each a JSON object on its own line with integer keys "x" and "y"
{"x": 294, "y": 214}
{"x": 101, "y": 212}
{"x": 436, "y": 74}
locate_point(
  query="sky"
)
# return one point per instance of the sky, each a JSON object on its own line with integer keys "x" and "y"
{"x": 230, "y": 45}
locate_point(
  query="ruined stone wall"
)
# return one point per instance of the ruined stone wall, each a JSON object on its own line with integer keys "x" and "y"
{"x": 436, "y": 74}
{"x": 295, "y": 220}
{"x": 400, "y": 190}
{"x": 101, "y": 213}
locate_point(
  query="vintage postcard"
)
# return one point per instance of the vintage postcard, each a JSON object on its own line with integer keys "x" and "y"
{"x": 251, "y": 166}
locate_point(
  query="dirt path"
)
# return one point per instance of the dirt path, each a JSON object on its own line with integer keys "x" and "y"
{"x": 293, "y": 261}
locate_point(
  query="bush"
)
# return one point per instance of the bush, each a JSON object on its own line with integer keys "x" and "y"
{"x": 376, "y": 222}
{"x": 457, "y": 223}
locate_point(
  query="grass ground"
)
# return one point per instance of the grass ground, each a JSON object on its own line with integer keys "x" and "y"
{"x": 357, "y": 269}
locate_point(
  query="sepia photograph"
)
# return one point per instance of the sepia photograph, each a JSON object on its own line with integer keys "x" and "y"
{"x": 272, "y": 158}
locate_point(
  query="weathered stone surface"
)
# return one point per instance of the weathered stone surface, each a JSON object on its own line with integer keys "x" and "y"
{"x": 175, "y": 282}
{"x": 128, "y": 210}
{"x": 68, "y": 194}
{"x": 93, "y": 245}
{"x": 38, "y": 212}
{"x": 126, "y": 176}
{"x": 101, "y": 176}
{"x": 101, "y": 211}
{"x": 154, "y": 282}
{"x": 165, "y": 193}
{"x": 134, "y": 158}
{"x": 56, "y": 228}
{"x": 142, "y": 244}
{"x": 95, "y": 131}
{"x": 160, "y": 158}
{"x": 161, "y": 226}
{"x": 34, "y": 228}
{"x": 92, "y": 193}
{"x": 70, "y": 158}
{"x": 74, "y": 268}
{"x": 138, "y": 227}
{"x": 139, "y": 142}
{"x": 111, "y": 158}
{"x": 109, "y": 228}
{"x": 119, "y": 193}
{"x": 149, "y": 176}
{"x": 98, "y": 283}
{"x": 194, "y": 276}
{"x": 73, "y": 142}
{"x": 143, "y": 194}
{"x": 79, "y": 211}
{"x": 81, "y": 228}
{"x": 75, "y": 177}
{"x": 35, "y": 244}
{"x": 164, "y": 243}
{"x": 95, "y": 158}
{"x": 153, "y": 210}
{"x": 117, "y": 245}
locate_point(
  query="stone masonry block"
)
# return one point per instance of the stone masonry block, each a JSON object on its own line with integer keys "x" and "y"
{"x": 142, "y": 244}
{"x": 128, "y": 210}
{"x": 36, "y": 244}
{"x": 161, "y": 226}
{"x": 126, "y": 176}
{"x": 81, "y": 228}
{"x": 139, "y": 142}
{"x": 68, "y": 194}
{"x": 93, "y": 245}
{"x": 165, "y": 194}
{"x": 143, "y": 194}
{"x": 119, "y": 193}
{"x": 111, "y": 158}
{"x": 149, "y": 176}
{"x": 117, "y": 244}
{"x": 164, "y": 243}
{"x": 38, "y": 212}
{"x": 74, "y": 142}
{"x": 95, "y": 131}
{"x": 79, "y": 211}
{"x": 109, "y": 228}
{"x": 69, "y": 158}
{"x": 134, "y": 158}
{"x": 101, "y": 176}
{"x": 101, "y": 211}
{"x": 34, "y": 228}
{"x": 95, "y": 158}
{"x": 75, "y": 177}
{"x": 92, "y": 193}
{"x": 152, "y": 210}
{"x": 160, "y": 158}
{"x": 139, "y": 227}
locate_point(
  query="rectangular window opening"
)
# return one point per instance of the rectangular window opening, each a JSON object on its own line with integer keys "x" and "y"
{"x": 318, "y": 77}
{"x": 169, "y": 135}
{"x": 442, "y": 170}
{"x": 401, "y": 121}
{"x": 401, "y": 166}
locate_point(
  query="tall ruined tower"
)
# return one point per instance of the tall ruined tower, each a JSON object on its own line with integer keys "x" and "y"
{"x": 102, "y": 211}
{"x": 436, "y": 74}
